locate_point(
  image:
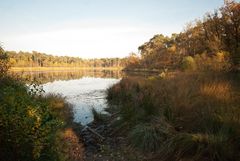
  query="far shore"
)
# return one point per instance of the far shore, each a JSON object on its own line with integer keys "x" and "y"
{"x": 29, "y": 69}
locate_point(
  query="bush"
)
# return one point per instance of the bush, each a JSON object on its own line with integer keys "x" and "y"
{"x": 188, "y": 64}
{"x": 4, "y": 65}
{"x": 219, "y": 62}
{"x": 27, "y": 124}
{"x": 33, "y": 126}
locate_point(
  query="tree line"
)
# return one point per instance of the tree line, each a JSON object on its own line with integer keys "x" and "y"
{"x": 210, "y": 42}
{"x": 212, "y": 39}
{"x": 37, "y": 59}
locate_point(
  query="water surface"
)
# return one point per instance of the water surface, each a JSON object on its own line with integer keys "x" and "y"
{"x": 83, "y": 89}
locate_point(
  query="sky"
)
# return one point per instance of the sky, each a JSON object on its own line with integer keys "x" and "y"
{"x": 93, "y": 28}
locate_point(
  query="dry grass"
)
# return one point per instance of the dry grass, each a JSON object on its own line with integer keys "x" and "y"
{"x": 202, "y": 108}
{"x": 68, "y": 146}
{"x": 219, "y": 90}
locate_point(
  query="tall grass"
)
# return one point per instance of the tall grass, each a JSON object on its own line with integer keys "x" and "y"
{"x": 149, "y": 136}
{"x": 201, "y": 109}
{"x": 198, "y": 147}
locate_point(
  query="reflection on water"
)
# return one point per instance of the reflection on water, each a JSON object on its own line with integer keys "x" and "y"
{"x": 50, "y": 76}
{"x": 85, "y": 93}
{"x": 83, "y": 89}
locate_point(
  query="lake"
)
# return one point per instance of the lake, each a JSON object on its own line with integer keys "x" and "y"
{"x": 85, "y": 89}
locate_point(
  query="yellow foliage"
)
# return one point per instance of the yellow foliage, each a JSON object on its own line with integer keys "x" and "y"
{"x": 172, "y": 49}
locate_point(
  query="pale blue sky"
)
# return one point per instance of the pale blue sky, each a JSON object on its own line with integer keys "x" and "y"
{"x": 93, "y": 28}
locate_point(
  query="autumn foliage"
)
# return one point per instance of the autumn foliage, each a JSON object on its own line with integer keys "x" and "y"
{"x": 217, "y": 32}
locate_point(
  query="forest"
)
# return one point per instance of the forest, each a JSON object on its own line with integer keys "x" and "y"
{"x": 210, "y": 42}
{"x": 36, "y": 59}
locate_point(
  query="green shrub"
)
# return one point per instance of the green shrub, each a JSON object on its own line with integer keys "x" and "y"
{"x": 188, "y": 63}
{"x": 218, "y": 62}
{"x": 4, "y": 65}
{"x": 30, "y": 122}
{"x": 27, "y": 124}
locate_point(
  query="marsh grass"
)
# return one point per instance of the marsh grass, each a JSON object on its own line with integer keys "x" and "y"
{"x": 202, "y": 109}
{"x": 149, "y": 136}
{"x": 197, "y": 147}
